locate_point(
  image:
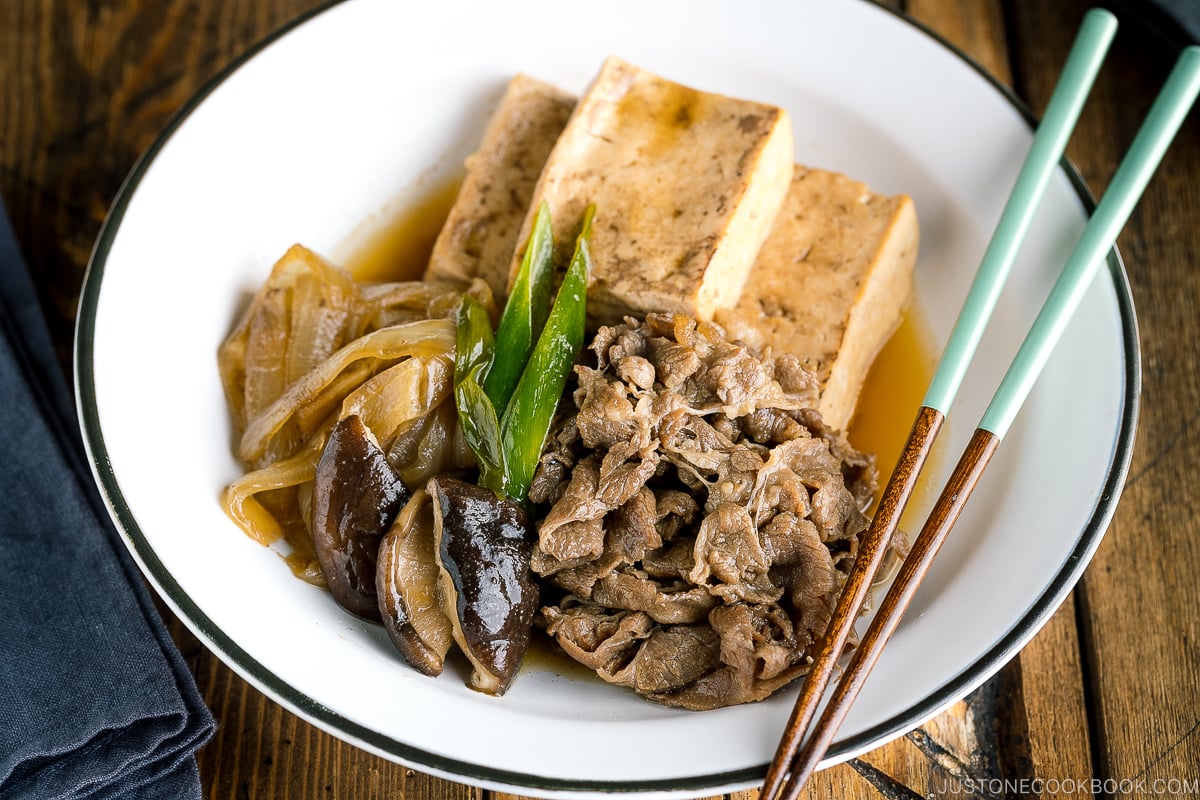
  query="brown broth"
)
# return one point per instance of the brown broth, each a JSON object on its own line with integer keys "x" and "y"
{"x": 893, "y": 391}
{"x": 544, "y": 655}
{"x": 395, "y": 244}
{"x": 890, "y": 397}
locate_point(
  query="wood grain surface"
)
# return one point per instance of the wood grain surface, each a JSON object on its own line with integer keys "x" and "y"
{"x": 1105, "y": 697}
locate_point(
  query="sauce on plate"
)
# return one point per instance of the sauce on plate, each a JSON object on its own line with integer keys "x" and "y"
{"x": 395, "y": 243}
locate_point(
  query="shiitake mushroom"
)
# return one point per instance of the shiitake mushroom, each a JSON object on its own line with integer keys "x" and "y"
{"x": 450, "y": 564}
{"x": 407, "y": 583}
{"x": 483, "y": 547}
{"x": 356, "y": 496}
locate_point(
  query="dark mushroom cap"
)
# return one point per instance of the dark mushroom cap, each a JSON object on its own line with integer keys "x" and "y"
{"x": 356, "y": 496}
{"x": 484, "y": 544}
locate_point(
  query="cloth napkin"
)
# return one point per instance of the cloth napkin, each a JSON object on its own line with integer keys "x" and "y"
{"x": 1177, "y": 22}
{"x": 95, "y": 700}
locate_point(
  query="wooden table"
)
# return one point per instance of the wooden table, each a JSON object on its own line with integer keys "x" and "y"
{"x": 1109, "y": 691}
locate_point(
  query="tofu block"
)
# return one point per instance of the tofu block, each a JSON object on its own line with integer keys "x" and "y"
{"x": 480, "y": 233}
{"x": 831, "y": 283}
{"x": 686, "y": 186}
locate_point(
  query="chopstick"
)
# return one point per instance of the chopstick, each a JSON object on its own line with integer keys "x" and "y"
{"x": 1163, "y": 121}
{"x": 1050, "y": 141}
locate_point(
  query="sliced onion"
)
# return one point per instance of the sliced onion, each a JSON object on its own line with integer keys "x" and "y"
{"x": 244, "y": 508}
{"x": 426, "y": 338}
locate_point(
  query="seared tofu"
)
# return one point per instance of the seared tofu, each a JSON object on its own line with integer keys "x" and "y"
{"x": 480, "y": 233}
{"x": 686, "y": 185}
{"x": 831, "y": 282}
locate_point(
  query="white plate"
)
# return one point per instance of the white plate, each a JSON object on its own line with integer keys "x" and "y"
{"x": 374, "y": 100}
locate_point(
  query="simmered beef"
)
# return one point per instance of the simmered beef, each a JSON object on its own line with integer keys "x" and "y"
{"x": 700, "y": 517}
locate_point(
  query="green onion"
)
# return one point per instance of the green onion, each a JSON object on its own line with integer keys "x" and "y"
{"x": 525, "y": 312}
{"x": 524, "y": 368}
{"x": 526, "y": 421}
{"x": 474, "y": 347}
{"x": 473, "y": 356}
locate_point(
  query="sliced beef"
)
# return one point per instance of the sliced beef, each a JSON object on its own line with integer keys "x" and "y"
{"x": 671, "y": 603}
{"x": 698, "y": 517}
{"x": 597, "y": 637}
{"x": 670, "y": 659}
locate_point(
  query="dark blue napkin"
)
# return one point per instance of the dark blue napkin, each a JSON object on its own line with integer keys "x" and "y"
{"x": 1176, "y": 22}
{"x": 95, "y": 700}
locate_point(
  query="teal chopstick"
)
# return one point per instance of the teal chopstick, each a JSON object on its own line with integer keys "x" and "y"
{"x": 1050, "y": 140}
{"x": 1166, "y": 116}
{"x": 1087, "y": 54}
{"x": 1147, "y": 149}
